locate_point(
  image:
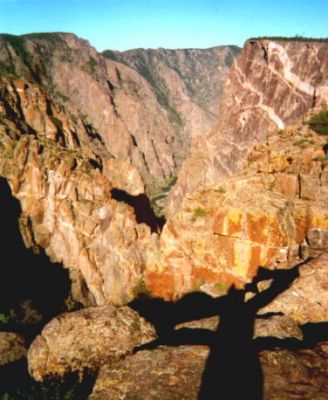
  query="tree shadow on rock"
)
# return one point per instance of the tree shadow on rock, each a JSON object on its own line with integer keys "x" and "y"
{"x": 232, "y": 370}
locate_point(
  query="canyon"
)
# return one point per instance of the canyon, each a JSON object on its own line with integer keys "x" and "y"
{"x": 154, "y": 176}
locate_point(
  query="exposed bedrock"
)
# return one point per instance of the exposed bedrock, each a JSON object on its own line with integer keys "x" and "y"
{"x": 81, "y": 201}
{"x": 270, "y": 85}
{"x": 145, "y": 105}
{"x": 271, "y": 214}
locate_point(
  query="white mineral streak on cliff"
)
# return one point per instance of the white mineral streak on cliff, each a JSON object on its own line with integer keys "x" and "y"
{"x": 287, "y": 65}
{"x": 267, "y": 88}
{"x": 249, "y": 87}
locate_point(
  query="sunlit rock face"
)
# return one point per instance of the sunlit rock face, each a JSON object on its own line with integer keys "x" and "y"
{"x": 270, "y": 214}
{"x": 63, "y": 176}
{"x": 63, "y": 171}
{"x": 86, "y": 339}
{"x": 270, "y": 85}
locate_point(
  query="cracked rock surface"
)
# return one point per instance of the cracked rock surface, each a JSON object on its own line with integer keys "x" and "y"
{"x": 86, "y": 339}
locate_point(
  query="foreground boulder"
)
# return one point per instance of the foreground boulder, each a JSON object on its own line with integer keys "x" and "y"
{"x": 12, "y": 347}
{"x": 86, "y": 339}
{"x": 166, "y": 373}
{"x": 175, "y": 374}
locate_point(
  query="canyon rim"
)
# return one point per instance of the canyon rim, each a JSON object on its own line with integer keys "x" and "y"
{"x": 155, "y": 176}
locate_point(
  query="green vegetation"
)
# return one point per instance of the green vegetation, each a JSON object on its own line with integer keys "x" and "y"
{"x": 92, "y": 65}
{"x": 18, "y": 44}
{"x": 319, "y": 122}
{"x": 296, "y": 38}
{"x": 322, "y": 159}
{"x": 141, "y": 289}
{"x": 199, "y": 212}
{"x": 8, "y": 70}
{"x": 111, "y": 55}
{"x": 54, "y": 37}
{"x": 221, "y": 287}
{"x": 220, "y": 189}
{"x": 159, "y": 195}
{"x": 4, "y": 319}
{"x": 69, "y": 388}
{"x": 169, "y": 182}
{"x": 52, "y": 90}
{"x": 303, "y": 142}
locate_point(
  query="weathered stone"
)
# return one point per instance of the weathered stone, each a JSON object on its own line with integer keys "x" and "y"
{"x": 12, "y": 347}
{"x": 318, "y": 238}
{"x": 306, "y": 300}
{"x": 300, "y": 375}
{"x": 175, "y": 373}
{"x": 278, "y": 326}
{"x": 223, "y": 233}
{"x": 143, "y": 115}
{"x": 267, "y": 88}
{"x": 67, "y": 207}
{"x": 64, "y": 174}
{"x": 165, "y": 373}
{"x": 86, "y": 339}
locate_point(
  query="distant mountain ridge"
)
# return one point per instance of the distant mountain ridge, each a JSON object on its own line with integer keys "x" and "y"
{"x": 146, "y": 105}
{"x": 199, "y": 69}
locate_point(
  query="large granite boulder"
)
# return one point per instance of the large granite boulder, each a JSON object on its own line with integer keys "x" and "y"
{"x": 86, "y": 339}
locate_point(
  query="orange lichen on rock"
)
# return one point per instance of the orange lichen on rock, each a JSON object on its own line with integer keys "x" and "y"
{"x": 259, "y": 219}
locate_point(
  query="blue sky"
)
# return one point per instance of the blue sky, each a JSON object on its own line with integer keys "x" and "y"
{"x": 125, "y": 24}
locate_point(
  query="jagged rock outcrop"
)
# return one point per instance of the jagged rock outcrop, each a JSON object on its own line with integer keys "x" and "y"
{"x": 86, "y": 339}
{"x": 63, "y": 177}
{"x": 259, "y": 217}
{"x": 219, "y": 238}
{"x": 75, "y": 174}
{"x": 272, "y": 84}
{"x": 63, "y": 173}
{"x": 178, "y": 76}
{"x": 146, "y": 122}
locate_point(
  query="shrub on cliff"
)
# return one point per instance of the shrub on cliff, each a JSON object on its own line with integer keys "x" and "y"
{"x": 319, "y": 122}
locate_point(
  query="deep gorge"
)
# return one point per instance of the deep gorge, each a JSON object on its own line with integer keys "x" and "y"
{"x": 181, "y": 196}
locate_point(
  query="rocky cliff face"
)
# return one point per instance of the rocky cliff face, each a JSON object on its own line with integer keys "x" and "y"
{"x": 272, "y": 84}
{"x": 253, "y": 193}
{"x": 259, "y": 217}
{"x": 71, "y": 187}
{"x": 185, "y": 81}
{"x": 146, "y": 115}
{"x": 64, "y": 178}
{"x": 59, "y": 170}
